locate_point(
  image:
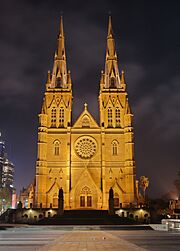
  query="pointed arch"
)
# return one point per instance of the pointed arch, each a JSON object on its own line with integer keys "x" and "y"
{"x": 55, "y": 200}
{"x": 56, "y": 147}
{"x": 116, "y": 200}
{"x": 53, "y": 117}
{"x": 112, "y": 82}
{"x": 114, "y": 147}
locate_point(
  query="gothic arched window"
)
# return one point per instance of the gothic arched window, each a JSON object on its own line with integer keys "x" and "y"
{"x": 56, "y": 148}
{"x": 118, "y": 117}
{"x": 109, "y": 117}
{"x": 114, "y": 147}
{"x": 61, "y": 117}
{"x": 53, "y": 117}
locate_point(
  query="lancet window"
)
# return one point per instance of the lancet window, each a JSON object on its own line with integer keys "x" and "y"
{"x": 53, "y": 117}
{"x": 112, "y": 82}
{"x": 56, "y": 148}
{"x": 61, "y": 117}
{"x": 109, "y": 117}
{"x": 114, "y": 148}
{"x": 118, "y": 121}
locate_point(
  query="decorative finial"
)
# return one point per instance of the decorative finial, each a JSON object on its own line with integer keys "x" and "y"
{"x": 123, "y": 81}
{"x": 110, "y": 31}
{"x": 85, "y": 106}
{"x": 49, "y": 76}
{"x": 61, "y": 30}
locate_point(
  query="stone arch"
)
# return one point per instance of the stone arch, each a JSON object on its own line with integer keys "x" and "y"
{"x": 86, "y": 187}
{"x": 56, "y": 147}
{"x": 52, "y": 195}
{"x": 55, "y": 200}
{"x": 114, "y": 144}
{"x": 118, "y": 192}
{"x": 116, "y": 200}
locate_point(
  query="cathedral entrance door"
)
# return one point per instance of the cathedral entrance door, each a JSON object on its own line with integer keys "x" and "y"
{"x": 85, "y": 198}
{"x": 86, "y": 201}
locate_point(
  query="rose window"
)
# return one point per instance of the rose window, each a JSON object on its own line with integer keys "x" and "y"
{"x": 85, "y": 147}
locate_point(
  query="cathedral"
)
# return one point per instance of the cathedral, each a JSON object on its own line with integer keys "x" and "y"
{"x": 85, "y": 159}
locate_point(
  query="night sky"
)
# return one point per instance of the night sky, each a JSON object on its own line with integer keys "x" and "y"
{"x": 147, "y": 36}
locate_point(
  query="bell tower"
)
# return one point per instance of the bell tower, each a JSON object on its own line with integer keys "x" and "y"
{"x": 116, "y": 127}
{"x": 54, "y": 121}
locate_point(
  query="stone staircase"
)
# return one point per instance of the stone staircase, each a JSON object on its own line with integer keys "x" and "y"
{"x": 86, "y": 217}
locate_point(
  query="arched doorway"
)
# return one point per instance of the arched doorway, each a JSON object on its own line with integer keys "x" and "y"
{"x": 55, "y": 200}
{"x": 86, "y": 198}
{"x": 116, "y": 200}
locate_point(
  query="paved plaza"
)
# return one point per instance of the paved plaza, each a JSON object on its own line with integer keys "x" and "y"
{"x": 55, "y": 238}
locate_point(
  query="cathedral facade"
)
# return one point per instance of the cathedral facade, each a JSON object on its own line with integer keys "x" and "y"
{"x": 85, "y": 159}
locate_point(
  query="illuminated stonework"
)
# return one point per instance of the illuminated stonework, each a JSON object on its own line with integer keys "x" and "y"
{"x": 86, "y": 158}
{"x": 85, "y": 147}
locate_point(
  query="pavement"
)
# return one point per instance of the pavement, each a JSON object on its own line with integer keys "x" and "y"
{"x": 90, "y": 241}
{"x": 86, "y": 238}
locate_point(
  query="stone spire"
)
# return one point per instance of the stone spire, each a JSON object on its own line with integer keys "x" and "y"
{"x": 59, "y": 73}
{"x": 112, "y": 77}
{"x": 61, "y": 44}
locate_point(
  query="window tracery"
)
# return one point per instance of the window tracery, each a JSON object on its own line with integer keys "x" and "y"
{"x": 61, "y": 117}
{"x": 109, "y": 117}
{"x": 118, "y": 117}
{"x": 56, "y": 148}
{"x": 53, "y": 117}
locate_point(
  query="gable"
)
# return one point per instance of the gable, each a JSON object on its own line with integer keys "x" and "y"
{"x": 85, "y": 120}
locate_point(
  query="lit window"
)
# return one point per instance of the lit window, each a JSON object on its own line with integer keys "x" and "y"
{"x": 115, "y": 148}
{"x": 117, "y": 117}
{"x": 61, "y": 117}
{"x": 109, "y": 117}
{"x": 56, "y": 148}
{"x": 53, "y": 117}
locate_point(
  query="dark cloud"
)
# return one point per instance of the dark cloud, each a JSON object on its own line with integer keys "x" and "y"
{"x": 148, "y": 47}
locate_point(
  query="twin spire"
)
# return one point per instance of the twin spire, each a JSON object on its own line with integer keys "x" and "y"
{"x": 61, "y": 78}
{"x": 111, "y": 74}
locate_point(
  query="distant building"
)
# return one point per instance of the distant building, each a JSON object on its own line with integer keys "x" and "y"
{"x": 174, "y": 208}
{"x": 8, "y": 173}
{"x": 7, "y": 190}
{"x": 26, "y": 195}
{"x": 2, "y": 151}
